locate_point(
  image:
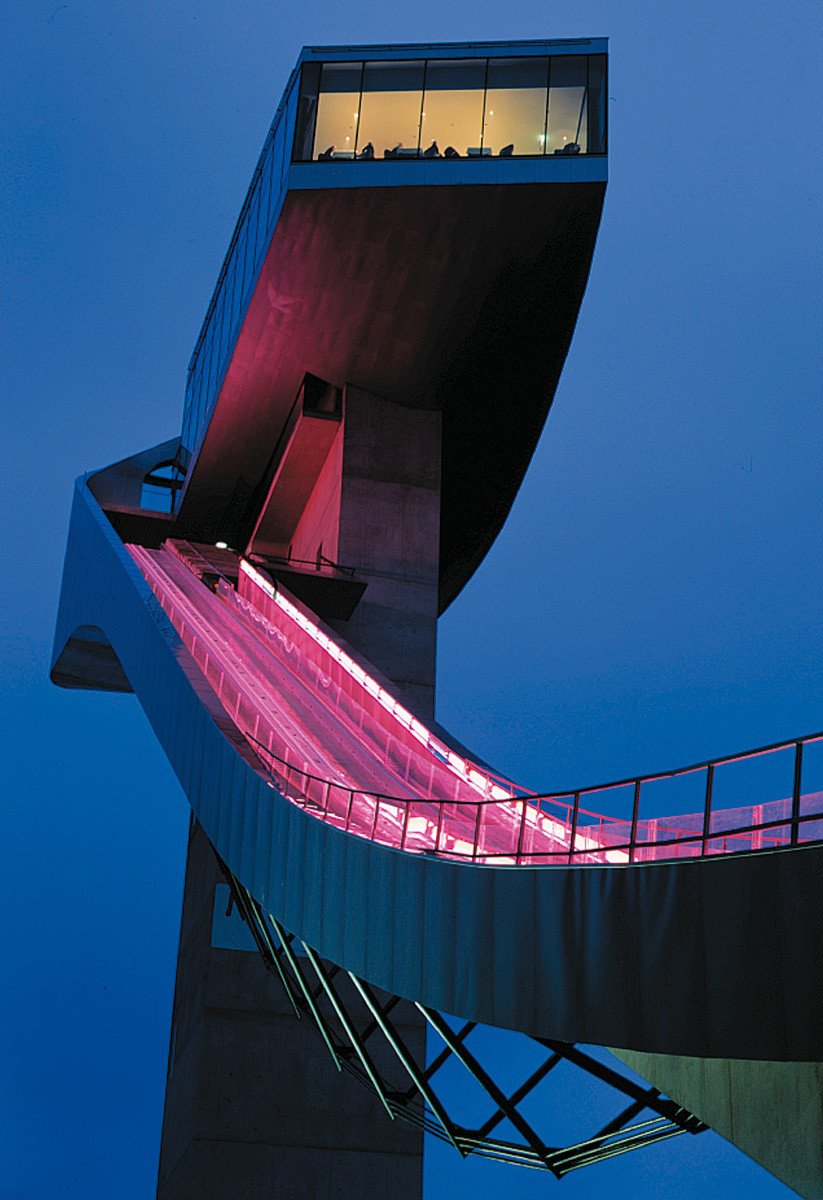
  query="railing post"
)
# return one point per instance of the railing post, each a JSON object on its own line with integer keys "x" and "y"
{"x": 798, "y": 776}
{"x": 635, "y": 815}
{"x": 405, "y": 825}
{"x": 477, "y": 831}
{"x": 439, "y": 826}
{"x": 522, "y": 834}
{"x": 374, "y": 819}
{"x": 707, "y": 810}
{"x": 348, "y": 810}
{"x": 573, "y": 831}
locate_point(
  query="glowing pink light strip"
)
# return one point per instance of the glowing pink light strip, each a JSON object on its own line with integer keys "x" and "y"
{"x": 468, "y": 771}
{"x": 546, "y": 835}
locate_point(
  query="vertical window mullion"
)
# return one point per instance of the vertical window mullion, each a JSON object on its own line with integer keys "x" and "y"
{"x": 548, "y": 105}
{"x": 483, "y": 113}
{"x": 422, "y": 104}
{"x": 359, "y": 105}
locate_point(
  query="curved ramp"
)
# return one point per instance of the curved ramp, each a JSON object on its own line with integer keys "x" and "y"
{"x": 716, "y": 955}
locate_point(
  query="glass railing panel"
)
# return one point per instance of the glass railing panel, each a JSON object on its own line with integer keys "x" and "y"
{"x": 276, "y": 167}
{"x": 236, "y": 267}
{"x": 222, "y": 327}
{"x": 749, "y": 791}
{"x": 338, "y": 106}
{"x": 603, "y": 826}
{"x": 597, "y": 100}
{"x": 234, "y": 288}
{"x": 453, "y": 107}
{"x": 811, "y": 792}
{"x": 515, "y": 118}
{"x": 390, "y": 108}
{"x": 306, "y": 112}
{"x": 252, "y": 246}
{"x": 568, "y": 119}
{"x": 670, "y": 810}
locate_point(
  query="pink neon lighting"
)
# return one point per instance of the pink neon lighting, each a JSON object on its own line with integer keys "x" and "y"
{"x": 332, "y": 740}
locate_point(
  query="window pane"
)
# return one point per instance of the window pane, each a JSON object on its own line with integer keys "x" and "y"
{"x": 278, "y": 156}
{"x": 223, "y": 325}
{"x": 240, "y": 259}
{"x": 568, "y": 125}
{"x": 306, "y": 111}
{"x": 337, "y": 110}
{"x": 516, "y": 105}
{"x": 453, "y": 105}
{"x": 234, "y": 287}
{"x": 597, "y": 104}
{"x": 390, "y": 107}
{"x": 251, "y": 242}
{"x": 265, "y": 185}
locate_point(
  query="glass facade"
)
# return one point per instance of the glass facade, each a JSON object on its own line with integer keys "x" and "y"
{"x": 242, "y": 264}
{"x": 452, "y": 108}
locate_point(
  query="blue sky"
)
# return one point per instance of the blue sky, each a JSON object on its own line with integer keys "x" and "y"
{"x": 653, "y": 600}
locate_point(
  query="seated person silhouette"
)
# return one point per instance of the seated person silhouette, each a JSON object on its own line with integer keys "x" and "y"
{"x": 327, "y": 155}
{"x": 367, "y": 151}
{"x": 569, "y": 148}
{"x": 450, "y": 152}
{"x": 395, "y": 152}
{"x": 432, "y": 151}
{"x": 507, "y": 151}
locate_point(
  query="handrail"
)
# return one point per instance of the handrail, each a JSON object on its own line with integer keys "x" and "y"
{"x": 634, "y": 844}
{"x": 487, "y": 819}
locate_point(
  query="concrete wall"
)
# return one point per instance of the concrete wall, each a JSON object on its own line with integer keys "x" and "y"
{"x": 255, "y": 1107}
{"x": 390, "y": 532}
{"x": 320, "y": 522}
{"x": 772, "y": 1111}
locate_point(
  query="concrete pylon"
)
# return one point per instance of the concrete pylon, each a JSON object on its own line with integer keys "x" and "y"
{"x": 254, "y": 1105}
{"x": 772, "y": 1111}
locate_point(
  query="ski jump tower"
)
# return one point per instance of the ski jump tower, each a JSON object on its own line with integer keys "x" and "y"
{"x": 369, "y": 384}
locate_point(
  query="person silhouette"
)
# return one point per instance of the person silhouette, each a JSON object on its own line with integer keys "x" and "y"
{"x": 432, "y": 151}
{"x": 327, "y": 155}
{"x": 367, "y": 151}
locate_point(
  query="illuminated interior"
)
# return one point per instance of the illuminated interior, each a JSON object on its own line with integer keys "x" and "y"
{"x": 453, "y": 105}
{"x": 568, "y": 124}
{"x": 390, "y": 106}
{"x": 515, "y": 112}
{"x": 447, "y": 108}
{"x": 337, "y": 110}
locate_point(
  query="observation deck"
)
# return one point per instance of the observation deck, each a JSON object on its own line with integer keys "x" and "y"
{"x": 420, "y": 224}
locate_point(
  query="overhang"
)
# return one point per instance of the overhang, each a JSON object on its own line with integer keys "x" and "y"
{"x": 443, "y": 293}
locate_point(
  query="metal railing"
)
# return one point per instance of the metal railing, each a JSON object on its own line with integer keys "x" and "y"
{"x": 427, "y": 824}
{"x": 470, "y": 814}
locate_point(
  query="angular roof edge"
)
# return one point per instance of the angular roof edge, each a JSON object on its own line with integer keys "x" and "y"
{"x": 456, "y": 49}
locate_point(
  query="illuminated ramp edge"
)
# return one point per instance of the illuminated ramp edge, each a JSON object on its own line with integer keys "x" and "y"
{"x": 706, "y": 955}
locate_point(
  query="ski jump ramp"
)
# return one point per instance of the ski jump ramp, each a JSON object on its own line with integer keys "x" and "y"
{"x": 371, "y": 856}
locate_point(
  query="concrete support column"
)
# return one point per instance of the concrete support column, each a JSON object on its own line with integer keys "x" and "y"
{"x": 390, "y": 533}
{"x": 254, "y": 1105}
{"x": 772, "y": 1111}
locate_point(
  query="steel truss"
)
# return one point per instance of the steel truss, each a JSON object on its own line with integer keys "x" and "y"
{"x": 355, "y": 1022}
